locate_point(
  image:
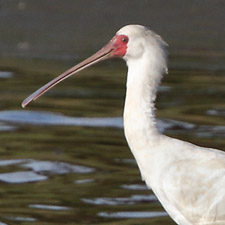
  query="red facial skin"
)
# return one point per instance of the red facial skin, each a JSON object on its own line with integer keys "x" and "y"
{"x": 120, "y": 45}
{"x": 117, "y": 47}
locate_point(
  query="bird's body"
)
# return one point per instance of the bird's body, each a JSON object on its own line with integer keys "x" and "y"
{"x": 188, "y": 180}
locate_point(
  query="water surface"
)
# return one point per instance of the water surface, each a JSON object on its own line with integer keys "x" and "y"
{"x": 64, "y": 159}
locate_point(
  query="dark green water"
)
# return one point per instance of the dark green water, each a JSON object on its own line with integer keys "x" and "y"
{"x": 111, "y": 184}
{"x": 78, "y": 123}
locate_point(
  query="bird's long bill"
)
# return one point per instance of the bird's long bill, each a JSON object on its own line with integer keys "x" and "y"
{"x": 102, "y": 54}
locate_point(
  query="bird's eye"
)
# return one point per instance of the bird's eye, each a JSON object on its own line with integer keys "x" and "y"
{"x": 124, "y": 39}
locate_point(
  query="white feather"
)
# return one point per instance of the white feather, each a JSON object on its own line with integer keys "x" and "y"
{"x": 188, "y": 180}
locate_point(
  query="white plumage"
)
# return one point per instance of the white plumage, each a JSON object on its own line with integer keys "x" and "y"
{"x": 188, "y": 180}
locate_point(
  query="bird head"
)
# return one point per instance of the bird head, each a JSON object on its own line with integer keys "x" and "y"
{"x": 128, "y": 43}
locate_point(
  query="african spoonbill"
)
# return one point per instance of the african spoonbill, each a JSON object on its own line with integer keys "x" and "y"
{"x": 188, "y": 180}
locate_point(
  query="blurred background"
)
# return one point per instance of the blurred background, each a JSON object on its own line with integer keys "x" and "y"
{"x": 64, "y": 159}
{"x": 67, "y": 30}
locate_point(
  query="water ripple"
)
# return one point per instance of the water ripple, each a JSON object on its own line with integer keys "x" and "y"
{"x": 21, "y": 177}
{"x": 47, "y": 118}
{"x": 136, "y": 187}
{"x": 40, "y": 170}
{"x": 6, "y": 74}
{"x": 4, "y": 127}
{"x": 132, "y": 214}
{"x": 120, "y": 201}
{"x": 21, "y": 219}
{"x": 9, "y": 162}
{"x": 2, "y": 223}
{"x": 49, "y": 207}
{"x": 49, "y": 167}
{"x": 216, "y": 112}
{"x": 210, "y": 131}
{"x": 84, "y": 181}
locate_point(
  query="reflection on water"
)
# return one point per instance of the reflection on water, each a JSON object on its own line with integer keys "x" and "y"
{"x": 20, "y": 219}
{"x": 47, "y": 118}
{"x": 11, "y": 162}
{"x": 216, "y": 112}
{"x": 132, "y": 214}
{"x": 47, "y": 167}
{"x": 21, "y": 177}
{"x": 38, "y": 169}
{"x": 49, "y": 207}
{"x": 85, "y": 181}
{"x": 135, "y": 187}
{"x": 2, "y": 223}
{"x": 6, "y": 74}
{"x": 65, "y": 159}
{"x": 4, "y": 127}
{"x": 120, "y": 201}
{"x": 210, "y": 131}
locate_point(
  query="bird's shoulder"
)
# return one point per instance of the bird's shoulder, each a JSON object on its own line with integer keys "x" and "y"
{"x": 185, "y": 151}
{"x": 192, "y": 183}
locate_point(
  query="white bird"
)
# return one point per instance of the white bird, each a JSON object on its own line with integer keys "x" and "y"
{"x": 188, "y": 180}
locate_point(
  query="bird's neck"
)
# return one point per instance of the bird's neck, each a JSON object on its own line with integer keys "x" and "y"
{"x": 139, "y": 114}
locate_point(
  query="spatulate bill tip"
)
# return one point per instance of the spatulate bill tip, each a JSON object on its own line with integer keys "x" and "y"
{"x": 25, "y": 103}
